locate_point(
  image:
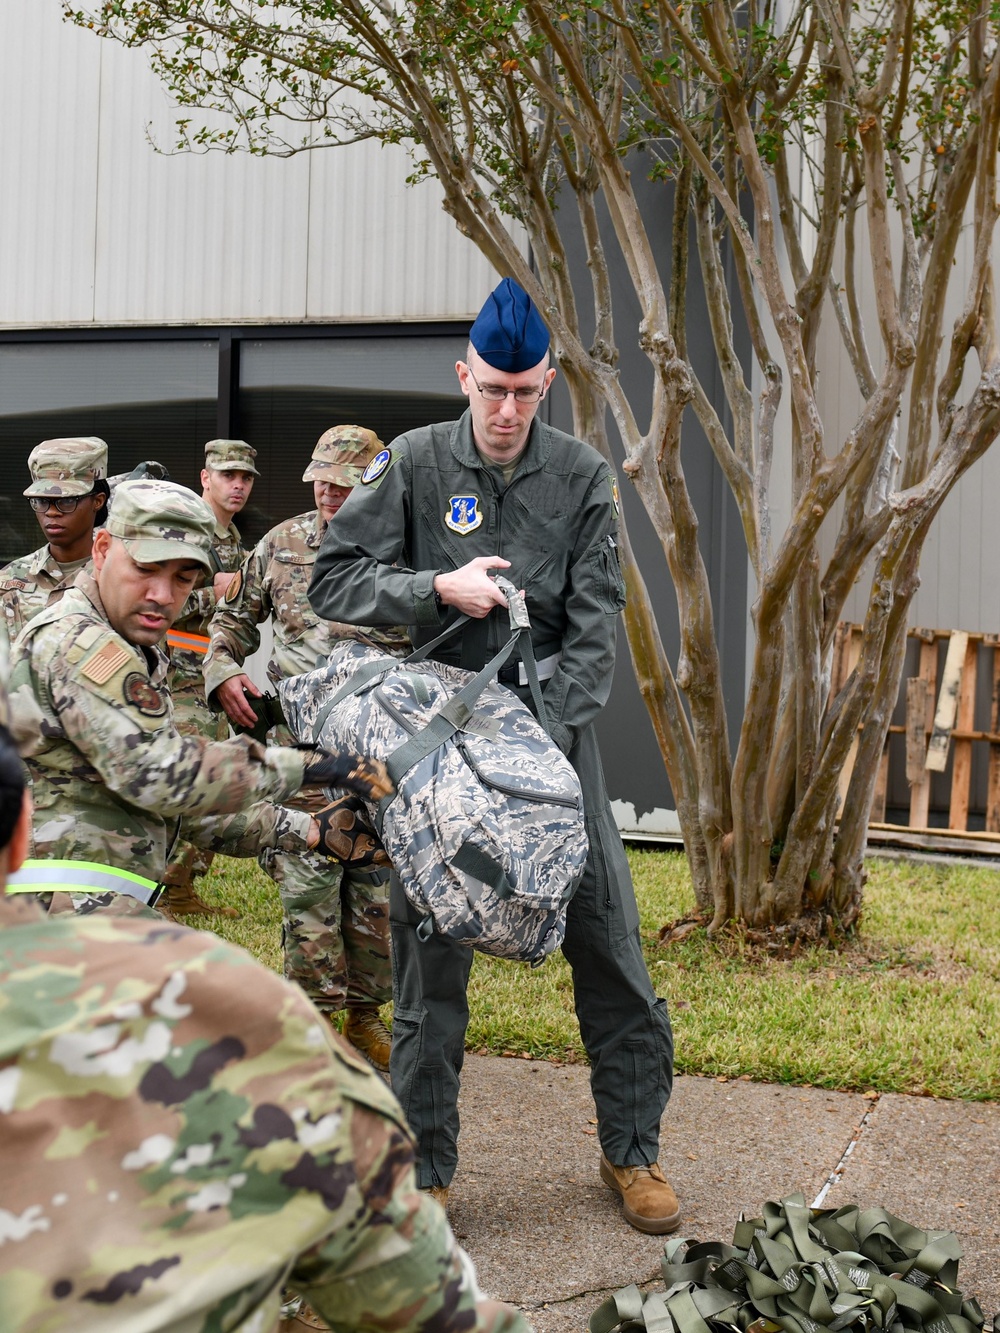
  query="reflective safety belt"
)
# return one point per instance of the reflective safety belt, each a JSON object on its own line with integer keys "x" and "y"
{"x": 67, "y": 876}
{"x": 194, "y": 643}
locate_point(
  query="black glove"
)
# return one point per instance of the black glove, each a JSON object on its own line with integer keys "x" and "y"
{"x": 367, "y": 777}
{"x": 347, "y": 834}
{"x": 269, "y": 714}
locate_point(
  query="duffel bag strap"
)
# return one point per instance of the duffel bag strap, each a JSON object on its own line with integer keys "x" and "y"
{"x": 370, "y": 673}
{"x": 520, "y": 628}
{"x": 520, "y": 631}
{"x": 451, "y": 717}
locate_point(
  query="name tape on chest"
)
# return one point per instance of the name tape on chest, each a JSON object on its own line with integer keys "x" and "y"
{"x": 14, "y": 585}
{"x": 103, "y": 664}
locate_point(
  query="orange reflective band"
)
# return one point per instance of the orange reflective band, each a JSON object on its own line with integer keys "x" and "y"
{"x": 195, "y": 643}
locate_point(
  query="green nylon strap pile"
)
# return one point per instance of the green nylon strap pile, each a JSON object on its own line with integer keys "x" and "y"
{"x": 803, "y": 1270}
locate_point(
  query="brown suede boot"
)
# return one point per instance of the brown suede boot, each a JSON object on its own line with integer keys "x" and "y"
{"x": 178, "y": 900}
{"x": 364, "y": 1029}
{"x": 650, "y": 1203}
{"x": 439, "y": 1193}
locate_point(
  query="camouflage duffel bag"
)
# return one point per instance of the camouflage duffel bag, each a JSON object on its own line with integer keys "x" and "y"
{"x": 486, "y": 828}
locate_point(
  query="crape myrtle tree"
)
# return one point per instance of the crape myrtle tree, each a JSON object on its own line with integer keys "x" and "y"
{"x": 831, "y": 153}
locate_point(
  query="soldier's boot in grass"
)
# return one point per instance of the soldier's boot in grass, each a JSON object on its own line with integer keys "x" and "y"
{"x": 650, "y": 1202}
{"x": 179, "y": 900}
{"x": 364, "y": 1029}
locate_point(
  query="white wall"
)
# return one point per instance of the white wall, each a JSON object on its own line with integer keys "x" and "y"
{"x": 96, "y": 227}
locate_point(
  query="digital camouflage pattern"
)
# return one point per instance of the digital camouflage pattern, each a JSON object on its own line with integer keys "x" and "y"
{"x": 341, "y": 455}
{"x": 112, "y": 775}
{"x": 28, "y": 585}
{"x": 67, "y": 466}
{"x": 230, "y": 456}
{"x": 192, "y": 715}
{"x": 330, "y": 926}
{"x": 159, "y": 520}
{"x": 486, "y": 831}
{"x": 273, "y": 584}
{"x": 196, "y": 614}
{"x": 335, "y": 931}
{"x": 181, "y": 1137}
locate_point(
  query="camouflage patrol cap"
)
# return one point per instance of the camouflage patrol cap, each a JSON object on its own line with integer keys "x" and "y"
{"x": 341, "y": 455}
{"x": 159, "y": 520}
{"x": 226, "y": 455}
{"x": 68, "y": 466}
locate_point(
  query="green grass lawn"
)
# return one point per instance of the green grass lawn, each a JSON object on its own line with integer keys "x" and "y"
{"x": 911, "y": 1005}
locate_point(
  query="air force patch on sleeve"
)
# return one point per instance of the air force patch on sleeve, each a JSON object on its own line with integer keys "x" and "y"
{"x": 141, "y": 693}
{"x": 377, "y": 467}
{"x": 463, "y": 515}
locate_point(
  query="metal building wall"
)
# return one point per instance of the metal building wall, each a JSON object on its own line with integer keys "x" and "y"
{"x": 97, "y": 228}
{"x": 959, "y": 587}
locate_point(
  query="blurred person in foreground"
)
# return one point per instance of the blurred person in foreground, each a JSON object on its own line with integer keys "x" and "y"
{"x": 181, "y": 1137}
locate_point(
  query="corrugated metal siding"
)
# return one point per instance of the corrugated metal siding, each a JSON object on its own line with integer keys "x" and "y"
{"x": 416, "y": 264}
{"x": 48, "y": 160}
{"x": 103, "y": 229}
{"x": 189, "y": 237}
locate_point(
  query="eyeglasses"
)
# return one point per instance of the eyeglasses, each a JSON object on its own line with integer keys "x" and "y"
{"x": 493, "y": 393}
{"x": 64, "y": 503}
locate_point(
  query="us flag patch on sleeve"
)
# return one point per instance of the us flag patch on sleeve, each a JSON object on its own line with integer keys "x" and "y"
{"x": 103, "y": 664}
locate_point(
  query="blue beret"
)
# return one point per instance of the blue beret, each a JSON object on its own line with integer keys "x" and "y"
{"x": 509, "y": 333}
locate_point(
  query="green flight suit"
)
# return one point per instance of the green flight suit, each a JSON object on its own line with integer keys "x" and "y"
{"x": 431, "y": 504}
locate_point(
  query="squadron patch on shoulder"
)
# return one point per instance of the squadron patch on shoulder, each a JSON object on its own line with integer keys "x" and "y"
{"x": 235, "y": 586}
{"x": 463, "y": 515}
{"x": 103, "y": 664}
{"x": 377, "y": 467}
{"x": 141, "y": 693}
{"x": 615, "y": 498}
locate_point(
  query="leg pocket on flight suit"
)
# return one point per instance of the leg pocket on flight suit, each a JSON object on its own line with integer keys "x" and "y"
{"x": 614, "y": 896}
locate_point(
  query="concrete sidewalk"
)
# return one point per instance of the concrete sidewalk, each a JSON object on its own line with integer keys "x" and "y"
{"x": 547, "y": 1234}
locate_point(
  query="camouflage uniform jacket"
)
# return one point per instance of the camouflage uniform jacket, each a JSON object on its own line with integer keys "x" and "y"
{"x": 111, "y": 768}
{"x": 180, "y": 1135}
{"x": 435, "y": 504}
{"x": 274, "y": 581}
{"x": 197, "y": 612}
{"x": 28, "y": 585}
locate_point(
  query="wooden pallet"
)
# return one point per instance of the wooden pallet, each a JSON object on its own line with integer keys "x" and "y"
{"x": 940, "y": 720}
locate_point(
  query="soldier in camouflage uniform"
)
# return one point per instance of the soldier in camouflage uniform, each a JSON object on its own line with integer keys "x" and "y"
{"x": 226, "y": 480}
{"x": 335, "y": 930}
{"x": 180, "y": 1136}
{"x": 111, "y": 772}
{"x": 68, "y": 493}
